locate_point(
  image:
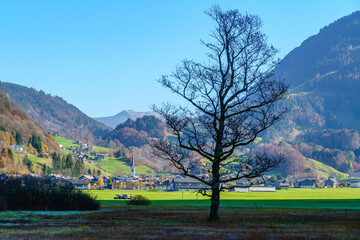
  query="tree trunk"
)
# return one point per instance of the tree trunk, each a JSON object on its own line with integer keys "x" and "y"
{"x": 215, "y": 193}
{"x": 215, "y": 202}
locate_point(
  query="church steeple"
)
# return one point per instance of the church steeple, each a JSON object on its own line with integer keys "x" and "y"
{"x": 133, "y": 163}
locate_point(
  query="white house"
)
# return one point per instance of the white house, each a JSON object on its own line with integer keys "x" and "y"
{"x": 17, "y": 148}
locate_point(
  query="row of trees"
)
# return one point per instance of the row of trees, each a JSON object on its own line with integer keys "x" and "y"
{"x": 67, "y": 165}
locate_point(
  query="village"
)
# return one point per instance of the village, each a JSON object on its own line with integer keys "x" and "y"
{"x": 173, "y": 182}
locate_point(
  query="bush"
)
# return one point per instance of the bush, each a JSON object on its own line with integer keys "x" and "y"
{"x": 36, "y": 194}
{"x": 139, "y": 200}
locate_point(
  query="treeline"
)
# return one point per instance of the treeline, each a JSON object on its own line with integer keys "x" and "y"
{"x": 67, "y": 166}
{"x": 30, "y": 193}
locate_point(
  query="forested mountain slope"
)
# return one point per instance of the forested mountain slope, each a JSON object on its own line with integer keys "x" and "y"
{"x": 54, "y": 114}
{"x": 17, "y": 128}
{"x": 323, "y": 104}
{"x": 324, "y": 77}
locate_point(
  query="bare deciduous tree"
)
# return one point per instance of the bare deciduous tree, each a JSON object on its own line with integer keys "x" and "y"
{"x": 232, "y": 100}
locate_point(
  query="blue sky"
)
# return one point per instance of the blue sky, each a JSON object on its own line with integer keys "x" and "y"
{"x": 106, "y": 56}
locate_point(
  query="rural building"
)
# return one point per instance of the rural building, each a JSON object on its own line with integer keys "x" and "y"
{"x": 83, "y": 146}
{"x": 186, "y": 184}
{"x": 17, "y": 148}
{"x": 104, "y": 153}
{"x": 307, "y": 184}
{"x": 331, "y": 183}
{"x": 354, "y": 183}
{"x": 255, "y": 189}
{"x": 243, "y": 182}
{"x": 77, "y": 183}
{"x": 261, "y": 189}
{"x": 160, "y": 187}
{"x": 100, "y": 157}
{"x": 279, "y": 185}
{"x": 44, "y": 155}
{"x": 127, "y": 185}
{"x": 86, "y": 177}
{"x": 283, "y": 185}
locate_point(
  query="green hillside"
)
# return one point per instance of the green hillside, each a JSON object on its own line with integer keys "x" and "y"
{"x": 326, "y": 170}
{"x": 110, "y": 166}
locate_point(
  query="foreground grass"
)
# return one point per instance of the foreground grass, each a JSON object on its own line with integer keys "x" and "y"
{"x": 183, "y": 223}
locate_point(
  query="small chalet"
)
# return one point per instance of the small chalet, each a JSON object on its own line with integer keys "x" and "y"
{"x": 100, "y": 157}
{"x": 104, "y": 153}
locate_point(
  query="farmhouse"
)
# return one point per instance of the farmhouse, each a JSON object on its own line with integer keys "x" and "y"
{"x": 243, "y": 182}
{"x": 104, "y": 153}
{"x": 185, "y": 184}
{"x": 279, "y": 185}
{"x": 307, "y": 184}
{"x": 354, "y": 183}
{"x": 331, "y": 183}
{"x": 77, "y": 183}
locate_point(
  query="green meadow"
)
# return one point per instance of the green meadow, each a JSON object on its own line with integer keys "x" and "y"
{"x": 337, "y": 198}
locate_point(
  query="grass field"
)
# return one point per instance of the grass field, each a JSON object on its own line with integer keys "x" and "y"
{"x": 338, "y": 198}
{"x": 111, "y": 165}
{"x": 37, "y": 160}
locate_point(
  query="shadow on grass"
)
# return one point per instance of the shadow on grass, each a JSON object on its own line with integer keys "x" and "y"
{"x": 257, "y": 204}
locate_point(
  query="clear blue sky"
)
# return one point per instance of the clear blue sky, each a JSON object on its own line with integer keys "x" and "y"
{"x": 105, "y": 56}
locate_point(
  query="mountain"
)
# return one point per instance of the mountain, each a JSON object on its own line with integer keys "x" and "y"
{"x": 323, "y": 119}
{"x": 136, "y": 133}
{"x": 121, "y": 117}
{"x": 17, "y": 128}
{"x": 324, "y": 74}
{"x": 54, "y": 114}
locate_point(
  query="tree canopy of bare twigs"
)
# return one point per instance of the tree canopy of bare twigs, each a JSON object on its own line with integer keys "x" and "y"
{"x": 232, "y": 100}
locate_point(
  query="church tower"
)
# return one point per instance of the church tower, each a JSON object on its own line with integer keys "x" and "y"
{"x": 133, "y": 164}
